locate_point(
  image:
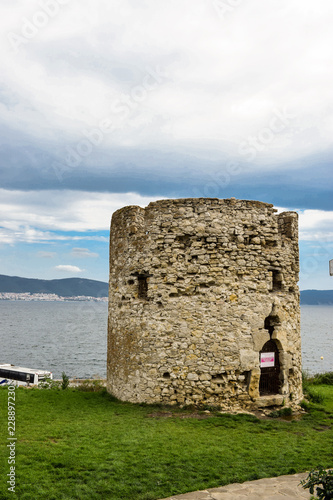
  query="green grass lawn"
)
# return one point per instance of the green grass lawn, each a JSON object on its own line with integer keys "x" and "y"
{"x": 87, "y": 445}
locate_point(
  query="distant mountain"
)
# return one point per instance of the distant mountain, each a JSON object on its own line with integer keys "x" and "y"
{"x": 70, "y": 287}
{"x": 67, "y": 287}
{"x": 316, "y": 297}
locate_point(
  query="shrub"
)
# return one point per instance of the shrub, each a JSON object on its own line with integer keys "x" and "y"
{"x": 283, "y": 412}
{"x": 91, "y": 386}
{"x": 323, "y": 378}
{"x": 322, "y": 480}
{"x": 306, "y": 377}
{"x": 314, "y": 396}
{"x": 318, "y": 379}
{"x": 48, "y": 383}
{"x": 65, "y": 381}
{"x": 306, "y": 380}
{"x": 305, "y": 405}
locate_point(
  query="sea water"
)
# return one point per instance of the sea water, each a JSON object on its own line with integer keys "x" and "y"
{"x": 317, "y": 338}
{"x": 71, "y": 337}
{"x": 68, "y": 337}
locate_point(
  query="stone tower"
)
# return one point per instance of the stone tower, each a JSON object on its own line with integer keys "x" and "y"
{"x": 204, "y": 304}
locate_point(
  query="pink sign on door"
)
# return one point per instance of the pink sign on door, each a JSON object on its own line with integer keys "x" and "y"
{"x": 267, "y": 359}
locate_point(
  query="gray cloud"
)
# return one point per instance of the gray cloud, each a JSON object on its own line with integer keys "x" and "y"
{"x": 188, "y": 90}
{"x": 225, "y": 76}
{"x": 46, "y": 255}
{"x": 82, "y": 253}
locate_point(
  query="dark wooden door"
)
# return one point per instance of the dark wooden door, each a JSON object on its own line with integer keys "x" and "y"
{"x": 270, "y": 375}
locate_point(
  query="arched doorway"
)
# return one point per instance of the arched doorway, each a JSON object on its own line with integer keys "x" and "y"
{"x": 270, "y": 369}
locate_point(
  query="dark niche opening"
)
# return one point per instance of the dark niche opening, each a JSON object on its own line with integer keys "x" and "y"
{"x": 142, "y": 287}
{"x": 270, "y": 323}
{"x": 184, "y": 239}
{"x": 142, "y": 284}
{"x": 277, "y": 280}
{"x": 247, "y": 376}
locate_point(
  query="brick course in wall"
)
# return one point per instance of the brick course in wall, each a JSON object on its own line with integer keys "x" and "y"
{"x": 198, "y": 288}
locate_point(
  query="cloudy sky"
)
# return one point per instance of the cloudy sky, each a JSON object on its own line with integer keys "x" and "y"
{"x": 117, "y": 102}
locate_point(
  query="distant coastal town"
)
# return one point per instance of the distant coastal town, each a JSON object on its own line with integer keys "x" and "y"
{"x": 49, "y": 297}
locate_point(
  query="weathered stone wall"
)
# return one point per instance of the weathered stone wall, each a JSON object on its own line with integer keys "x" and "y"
{"x": 197, "y": 287}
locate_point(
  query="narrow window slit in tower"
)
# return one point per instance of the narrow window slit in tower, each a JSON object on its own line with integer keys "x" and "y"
{"x": 142, "y": 287}
{"x": 277, "y": 280}
{"x": 142, "y": 283}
